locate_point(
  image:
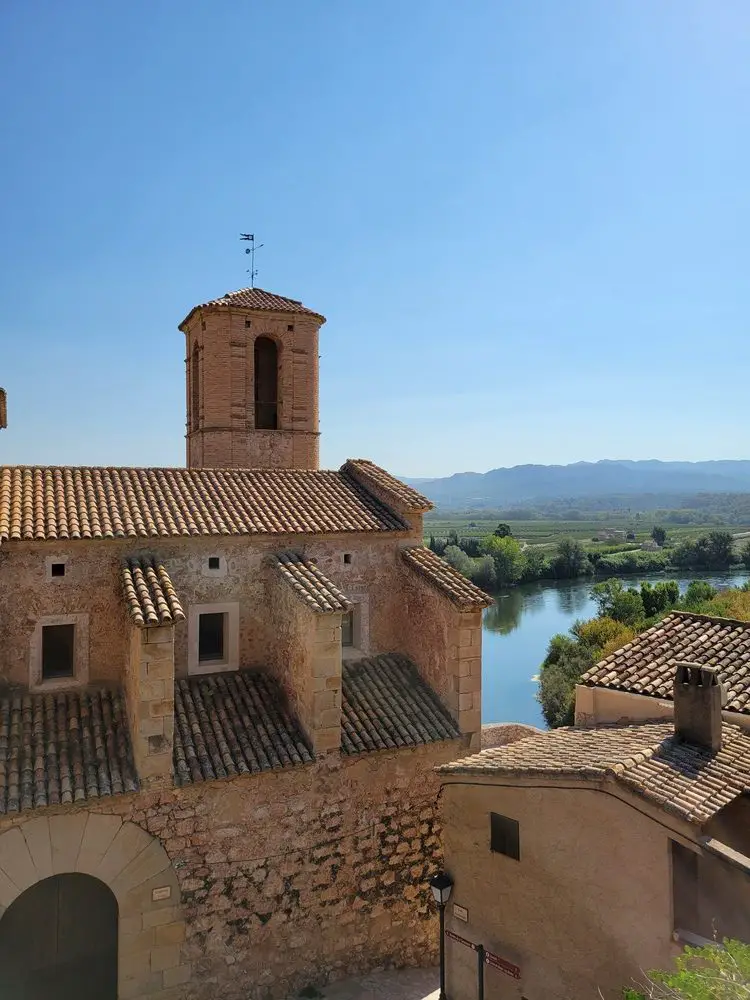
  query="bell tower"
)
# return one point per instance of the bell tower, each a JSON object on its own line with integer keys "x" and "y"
{"x": 251, "y": 379}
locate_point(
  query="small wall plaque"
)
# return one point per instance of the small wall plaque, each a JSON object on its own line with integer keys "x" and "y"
{"x": 162, "y": 892}
{"x": 460, "y": 912}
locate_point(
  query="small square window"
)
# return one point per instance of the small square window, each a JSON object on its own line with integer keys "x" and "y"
{"x": 504, "y": 836}
{"x": 58, "y": 644}
{"x": 214, "y": 562}
{"x": 57, "y": 569}
{"x": 290, "y": 327}
{"x": 248, "y": 324}
{"x": 211, "y": 628}
{"x": 347, "y": 557}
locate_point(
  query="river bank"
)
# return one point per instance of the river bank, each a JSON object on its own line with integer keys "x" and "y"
{"x": 518, "y": 626}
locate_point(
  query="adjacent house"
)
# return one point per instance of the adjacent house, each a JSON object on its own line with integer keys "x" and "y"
{"x": 635, "y": 682}
{"x": 582, "y": 857}
{"x": 224, "y": 691}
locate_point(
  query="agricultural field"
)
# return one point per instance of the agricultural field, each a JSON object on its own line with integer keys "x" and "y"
{"x": 547, "y": 533}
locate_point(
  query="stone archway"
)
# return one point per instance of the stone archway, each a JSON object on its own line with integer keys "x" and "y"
{"x": 128, "y": 860}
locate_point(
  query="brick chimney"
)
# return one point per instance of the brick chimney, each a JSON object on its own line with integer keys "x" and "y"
{"x": 698, "y": 700}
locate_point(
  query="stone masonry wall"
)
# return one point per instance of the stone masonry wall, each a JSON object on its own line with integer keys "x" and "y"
{"x": 294, "y": 877}
{"x": 92, "y": 585}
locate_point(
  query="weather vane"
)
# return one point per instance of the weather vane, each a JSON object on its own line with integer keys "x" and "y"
{"x": 250, "y": 238}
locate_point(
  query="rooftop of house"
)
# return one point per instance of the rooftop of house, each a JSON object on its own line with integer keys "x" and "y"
{"x": 690, "y": 781}
{"x": 256, "y": 299}
{"x": 66, "y": 747}
{"x": 39, "y": 503}
{"x": 646, "y": 665}
{"x": 452, "y": 584}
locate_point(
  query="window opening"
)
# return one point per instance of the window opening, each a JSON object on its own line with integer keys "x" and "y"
{"x": 347, "y": 628}
{"x": 57, "y": 569}
{"x": 504, "y": 836}
{"x": 266, "y": 384}
{"x": 211, "y": 637}
{"x": 195, "y": 376}
{"x": 58, "y": 643}
{"x": 214, "y": 562}
{"x": 347, "y": 557}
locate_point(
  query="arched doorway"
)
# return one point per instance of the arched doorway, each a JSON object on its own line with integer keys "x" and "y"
{"x": 58, "y": 941}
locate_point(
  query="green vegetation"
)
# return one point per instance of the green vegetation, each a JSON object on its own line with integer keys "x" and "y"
{"x": 708, "y": 973}
{"x": 623, "y": 613}
{"x": 494, "y": 556}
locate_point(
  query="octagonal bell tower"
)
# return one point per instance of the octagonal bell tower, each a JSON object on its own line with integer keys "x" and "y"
{"x": 251, "y": 378}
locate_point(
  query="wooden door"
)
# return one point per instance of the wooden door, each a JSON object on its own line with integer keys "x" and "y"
{"x": 58, "y": 941}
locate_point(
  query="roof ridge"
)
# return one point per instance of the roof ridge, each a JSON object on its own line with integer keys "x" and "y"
{"x": 718, "y": 619}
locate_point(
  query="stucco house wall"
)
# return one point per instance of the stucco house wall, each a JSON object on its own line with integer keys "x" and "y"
{"x": 587, "y": 907}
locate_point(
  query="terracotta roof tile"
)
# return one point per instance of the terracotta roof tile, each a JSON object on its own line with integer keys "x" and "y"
{"x": 62, "y": 502}
{"x": 62, "y": 748}
{"x": 690, "y": 781}
{"x": 394, "y": 491}
{"x": 310, "y": 585}
{"x": 386, "y": 704}
{"x": 646, "y": 665}
{"x": 150, "y": 597}
{"x": 255, "y": 298}
{"x": 233, "y": 723}
{"x": 454, "y": 585}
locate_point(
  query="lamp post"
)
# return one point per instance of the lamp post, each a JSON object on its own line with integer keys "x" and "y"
{"x": 441, "y": 885}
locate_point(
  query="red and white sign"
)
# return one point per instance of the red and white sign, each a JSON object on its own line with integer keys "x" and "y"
{"x": 461, "y": 940}
{"x": 502, "y": 965}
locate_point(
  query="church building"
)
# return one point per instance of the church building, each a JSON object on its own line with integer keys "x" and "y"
{"x": 224, "y": 689}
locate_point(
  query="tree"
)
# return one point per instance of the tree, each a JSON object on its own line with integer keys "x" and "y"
{"x": 708, "y": 973}
{"x": 659, "y": 597}
{"x": 483, "y": 573}
{"x": 535, "y": 564}
{"x": 458, "y": 559}
{"x": 570, "y": 561}
{"x": 659, "y": 534}
{"x": 745, "y": 554}
{"x": 697, "y": 593}
{"x": 502, "y": 530}
{"x": 565, "y": 662}
{"x": 614, "y": 601}
{"x": 602, "y": 635}
{"x": 508, "y": 558}
{"x": 452, "y": 537}
{"x": 712, "y": 551}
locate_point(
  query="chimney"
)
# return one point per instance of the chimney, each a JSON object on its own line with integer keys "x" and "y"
{"x": 698, "y": 701}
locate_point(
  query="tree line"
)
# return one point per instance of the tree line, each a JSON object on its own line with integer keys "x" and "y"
{"x": 500, "y": 560}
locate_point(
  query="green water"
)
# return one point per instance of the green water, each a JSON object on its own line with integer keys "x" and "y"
{"x": 518, "y": 627}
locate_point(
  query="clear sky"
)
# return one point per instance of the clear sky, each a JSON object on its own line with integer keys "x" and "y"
{"x": 526, "y": 222}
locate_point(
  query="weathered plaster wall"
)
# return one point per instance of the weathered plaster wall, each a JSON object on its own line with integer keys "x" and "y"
{"x": 291, "y": 877}
{"x": 597, "y": 705}
{"x": 587, "y": 907}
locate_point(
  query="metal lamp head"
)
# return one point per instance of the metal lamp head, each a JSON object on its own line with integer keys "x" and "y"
{"x": 441, "y": 885}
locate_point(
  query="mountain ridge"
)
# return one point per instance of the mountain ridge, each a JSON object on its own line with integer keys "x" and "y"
{"x": 533, "y": 483}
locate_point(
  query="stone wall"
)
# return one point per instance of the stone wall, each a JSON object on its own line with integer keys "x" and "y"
{"x": 92, "y": 585}
{"x": 289, "y": 878}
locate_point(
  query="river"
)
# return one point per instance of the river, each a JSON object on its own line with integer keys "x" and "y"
{"x": 517, "y": 628}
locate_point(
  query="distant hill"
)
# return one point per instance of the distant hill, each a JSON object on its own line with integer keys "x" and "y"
{"x": 529, "y": 484}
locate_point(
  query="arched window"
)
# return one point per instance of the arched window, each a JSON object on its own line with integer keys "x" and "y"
{"x": 195, "y": 387}
{"x": 266, "y": 384}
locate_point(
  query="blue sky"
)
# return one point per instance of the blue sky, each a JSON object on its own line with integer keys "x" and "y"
{"x": 527, "y": 223}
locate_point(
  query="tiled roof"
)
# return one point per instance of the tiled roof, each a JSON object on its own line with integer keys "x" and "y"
{"x": 150, "y": 596}
{"x": 403, "y": 496}
{"x": 386, "y": 704}
{"x": 65, "y": 502}
{"x": 233, "y": 723}
{"x": 690, "y": 781}
{"x": 254, "y": 298}
{"x": 646, "y": 665}
{"x": 454, "y": 585}
{"x": 310, "y": 584}
{"x": 61, "y": 748}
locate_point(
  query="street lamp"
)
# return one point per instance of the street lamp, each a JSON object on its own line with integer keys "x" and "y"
{"x": 441, "y": 885}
